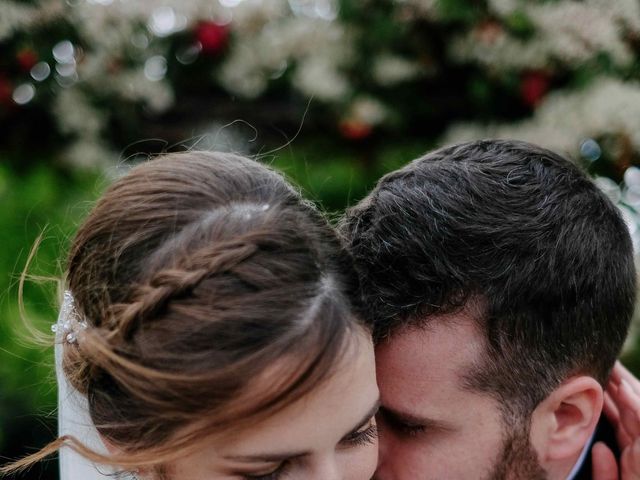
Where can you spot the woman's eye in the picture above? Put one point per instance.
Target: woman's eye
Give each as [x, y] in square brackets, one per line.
[276, 474]
[362, 437]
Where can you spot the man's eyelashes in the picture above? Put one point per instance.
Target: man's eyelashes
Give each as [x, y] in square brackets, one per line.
[398, 425]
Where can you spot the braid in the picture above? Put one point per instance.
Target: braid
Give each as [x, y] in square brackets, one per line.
[173, 282]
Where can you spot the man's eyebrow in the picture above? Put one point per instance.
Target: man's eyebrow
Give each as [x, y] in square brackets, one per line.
[281, 456]
[411, 419]
[374, 409]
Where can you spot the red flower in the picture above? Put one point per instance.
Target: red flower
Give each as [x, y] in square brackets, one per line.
[355, 130]
[212, 37]
[26, 58]
[533, 87]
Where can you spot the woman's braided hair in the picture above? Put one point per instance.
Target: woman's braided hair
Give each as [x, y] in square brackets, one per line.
[197, 273]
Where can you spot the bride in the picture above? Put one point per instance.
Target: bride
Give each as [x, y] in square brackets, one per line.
[206, 302]
[207, 334]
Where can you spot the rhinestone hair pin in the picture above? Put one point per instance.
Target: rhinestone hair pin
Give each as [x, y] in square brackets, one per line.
[69, 324]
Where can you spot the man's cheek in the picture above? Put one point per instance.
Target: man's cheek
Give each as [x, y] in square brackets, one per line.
[412, 459]
[452, 457]
[408, 464]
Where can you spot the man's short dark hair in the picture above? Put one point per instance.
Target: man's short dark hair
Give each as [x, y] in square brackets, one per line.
[516, 227]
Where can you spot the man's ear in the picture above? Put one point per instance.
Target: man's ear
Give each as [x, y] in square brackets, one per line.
[563, 423]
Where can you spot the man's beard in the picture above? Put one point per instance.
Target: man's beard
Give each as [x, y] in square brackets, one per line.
[518, 460]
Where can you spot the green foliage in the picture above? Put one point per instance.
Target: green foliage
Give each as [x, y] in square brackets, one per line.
[520, 25]
[44, 202]
[337, 176]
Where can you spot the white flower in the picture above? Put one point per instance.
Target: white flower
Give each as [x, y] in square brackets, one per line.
[16, 16]
[367, 110]
[75, 114]
[504, 7]
[568, 32]
[89, 153]
[251, 16]
[318, 48]
[577, 32]
[243, 74]
[135, 86]
[608, 107]
[425, 8]
[318, 77]
[392, 69]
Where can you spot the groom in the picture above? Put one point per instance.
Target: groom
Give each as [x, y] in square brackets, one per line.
[500, 284]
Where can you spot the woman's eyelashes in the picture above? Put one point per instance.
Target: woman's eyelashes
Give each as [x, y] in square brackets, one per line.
[277, 474]
[365, 436]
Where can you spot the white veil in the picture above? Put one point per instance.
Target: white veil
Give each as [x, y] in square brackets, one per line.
[73, 415]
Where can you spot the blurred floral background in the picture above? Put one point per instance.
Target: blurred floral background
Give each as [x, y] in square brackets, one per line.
[333, 92]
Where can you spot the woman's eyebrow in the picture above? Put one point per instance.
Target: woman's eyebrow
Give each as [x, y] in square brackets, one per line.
[267, 457]
[365, 419]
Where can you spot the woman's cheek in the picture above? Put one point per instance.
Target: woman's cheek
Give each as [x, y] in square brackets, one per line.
[360, 463]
